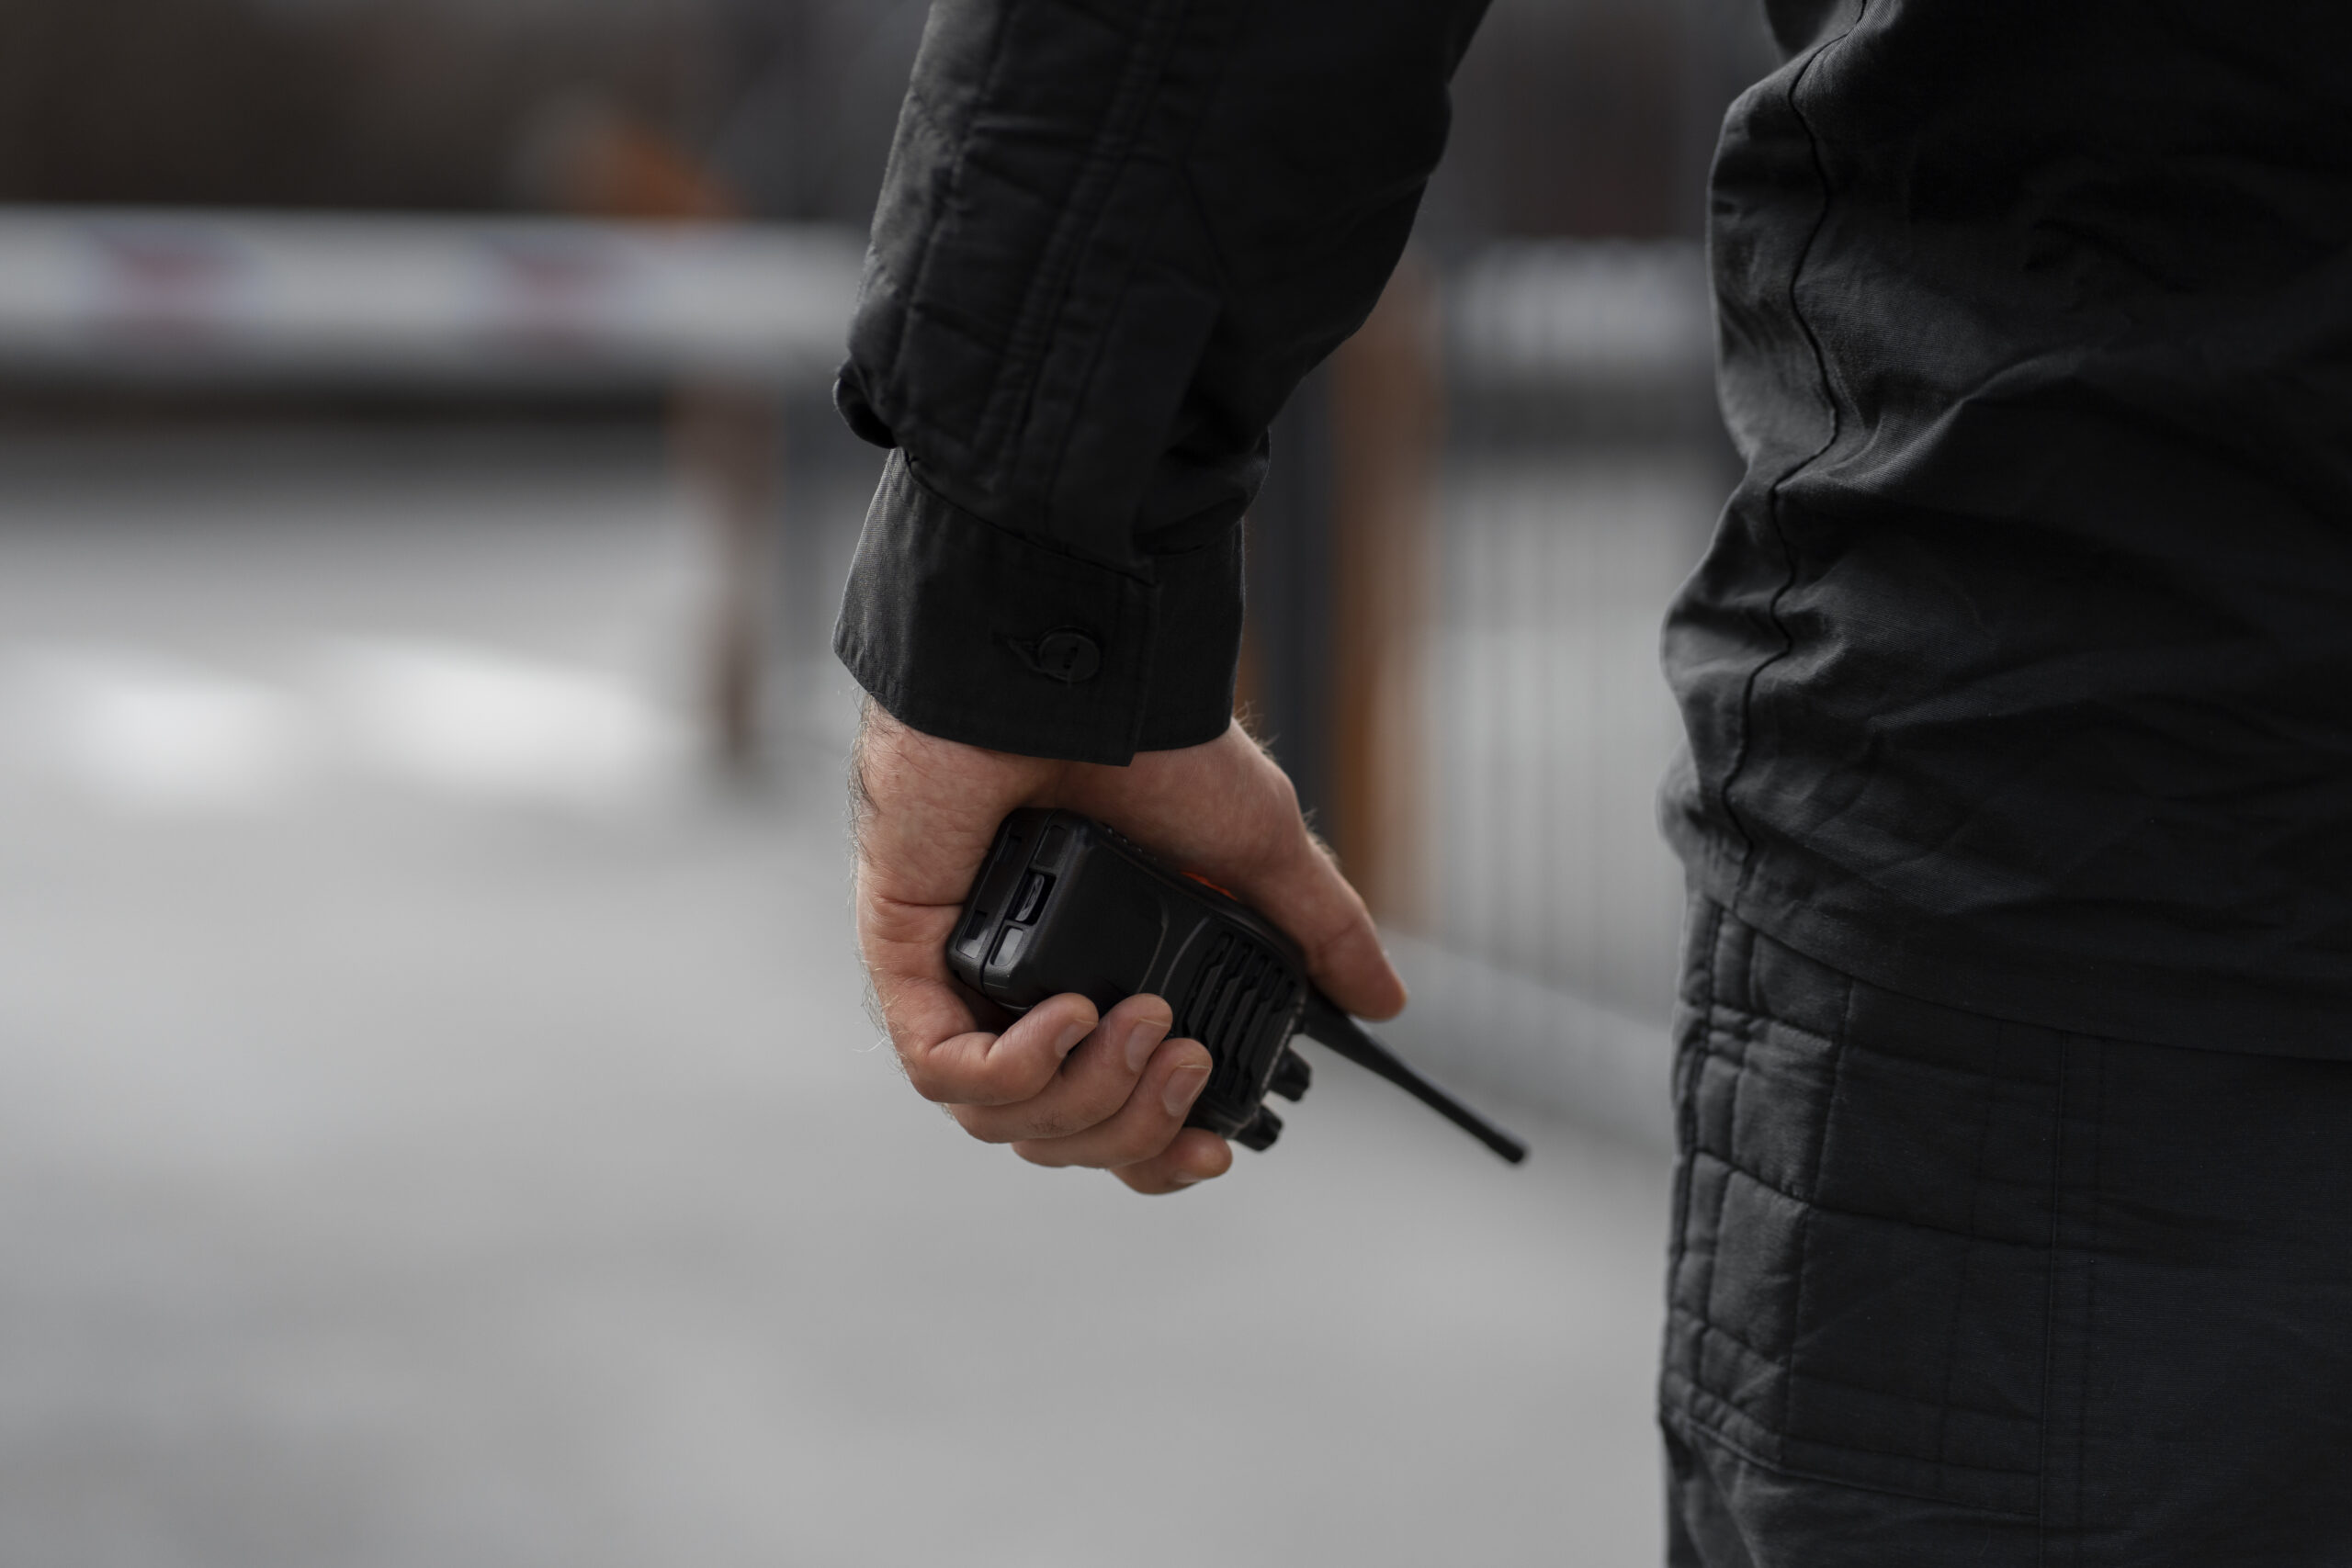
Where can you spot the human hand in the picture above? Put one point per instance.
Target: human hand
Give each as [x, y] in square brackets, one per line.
[1061, 1084]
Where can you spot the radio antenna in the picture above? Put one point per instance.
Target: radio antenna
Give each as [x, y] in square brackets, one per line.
[1327, 1024]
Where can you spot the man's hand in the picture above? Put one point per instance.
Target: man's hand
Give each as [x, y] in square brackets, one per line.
[1062, 1086]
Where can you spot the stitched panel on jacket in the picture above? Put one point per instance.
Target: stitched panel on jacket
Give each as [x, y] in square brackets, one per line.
[1860, 1278]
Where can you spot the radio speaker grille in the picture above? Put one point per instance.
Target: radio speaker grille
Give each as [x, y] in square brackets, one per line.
[1239, 990]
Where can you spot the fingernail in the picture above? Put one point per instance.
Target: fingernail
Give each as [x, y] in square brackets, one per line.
[1070, 1037]
[1183, 1087]
[1147, 1033]
[1184, 1178]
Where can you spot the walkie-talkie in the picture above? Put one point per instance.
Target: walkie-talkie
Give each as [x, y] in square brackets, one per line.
[1064, 903]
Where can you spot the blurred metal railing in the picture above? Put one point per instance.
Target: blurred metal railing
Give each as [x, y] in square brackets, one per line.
[1581, 472]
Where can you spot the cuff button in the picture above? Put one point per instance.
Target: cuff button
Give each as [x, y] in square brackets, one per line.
[1066, 656]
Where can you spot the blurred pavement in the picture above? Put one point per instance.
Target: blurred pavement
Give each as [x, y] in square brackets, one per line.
[434, 1129]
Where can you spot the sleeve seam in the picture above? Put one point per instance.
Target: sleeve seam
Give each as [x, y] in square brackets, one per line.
[1034, 329]
[950, 182]
[1048, 544]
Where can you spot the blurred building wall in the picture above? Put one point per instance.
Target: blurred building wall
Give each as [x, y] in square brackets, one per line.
[304, 103]
[1574, 117]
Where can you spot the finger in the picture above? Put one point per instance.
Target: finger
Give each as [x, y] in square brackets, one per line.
[948, 1056]
[904, 945]
[1227, 812]
[1196, 1156]
[1301, 890]
[1286, 875]
[1094, 1081]
[1145, 1125]
[975, 1067]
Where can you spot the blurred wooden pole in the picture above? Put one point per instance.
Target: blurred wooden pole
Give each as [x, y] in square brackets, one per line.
[1387, 423]
[727, 442]
[590, 156]
[1285, 680]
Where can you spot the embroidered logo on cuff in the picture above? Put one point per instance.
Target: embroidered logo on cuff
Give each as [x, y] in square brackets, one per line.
[1067, 655]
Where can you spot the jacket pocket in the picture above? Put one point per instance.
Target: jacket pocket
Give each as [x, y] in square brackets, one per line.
[1861, 1265]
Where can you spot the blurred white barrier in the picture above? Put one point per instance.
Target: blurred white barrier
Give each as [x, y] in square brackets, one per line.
[342, 299]
[1533, 315]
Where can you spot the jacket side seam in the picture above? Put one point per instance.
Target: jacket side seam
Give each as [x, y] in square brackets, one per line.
[1773, 496]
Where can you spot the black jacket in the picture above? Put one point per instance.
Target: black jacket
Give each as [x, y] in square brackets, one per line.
[1115, 235]
[2020, 674]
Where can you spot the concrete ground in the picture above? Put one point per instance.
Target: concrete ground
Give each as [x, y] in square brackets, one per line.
[436, 1129]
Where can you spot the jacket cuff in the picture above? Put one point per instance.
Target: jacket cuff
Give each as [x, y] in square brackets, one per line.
[972, 633]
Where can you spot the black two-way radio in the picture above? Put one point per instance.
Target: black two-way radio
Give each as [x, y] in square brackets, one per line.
[1064, 903]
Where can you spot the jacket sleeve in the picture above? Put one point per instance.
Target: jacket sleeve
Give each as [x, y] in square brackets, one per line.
[1113, 237]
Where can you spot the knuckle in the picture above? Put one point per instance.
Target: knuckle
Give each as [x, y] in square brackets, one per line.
[1058, 1122]
[1325, 950]
[965, 1081]
[1066, 1119]
[1282, 814]
[1146, 1141]
[981, 1126]
[1009, 1084]
[1084, 1112]
[925, 1079]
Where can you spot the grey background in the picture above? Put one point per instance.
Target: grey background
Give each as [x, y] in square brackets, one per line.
[417, 1161]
